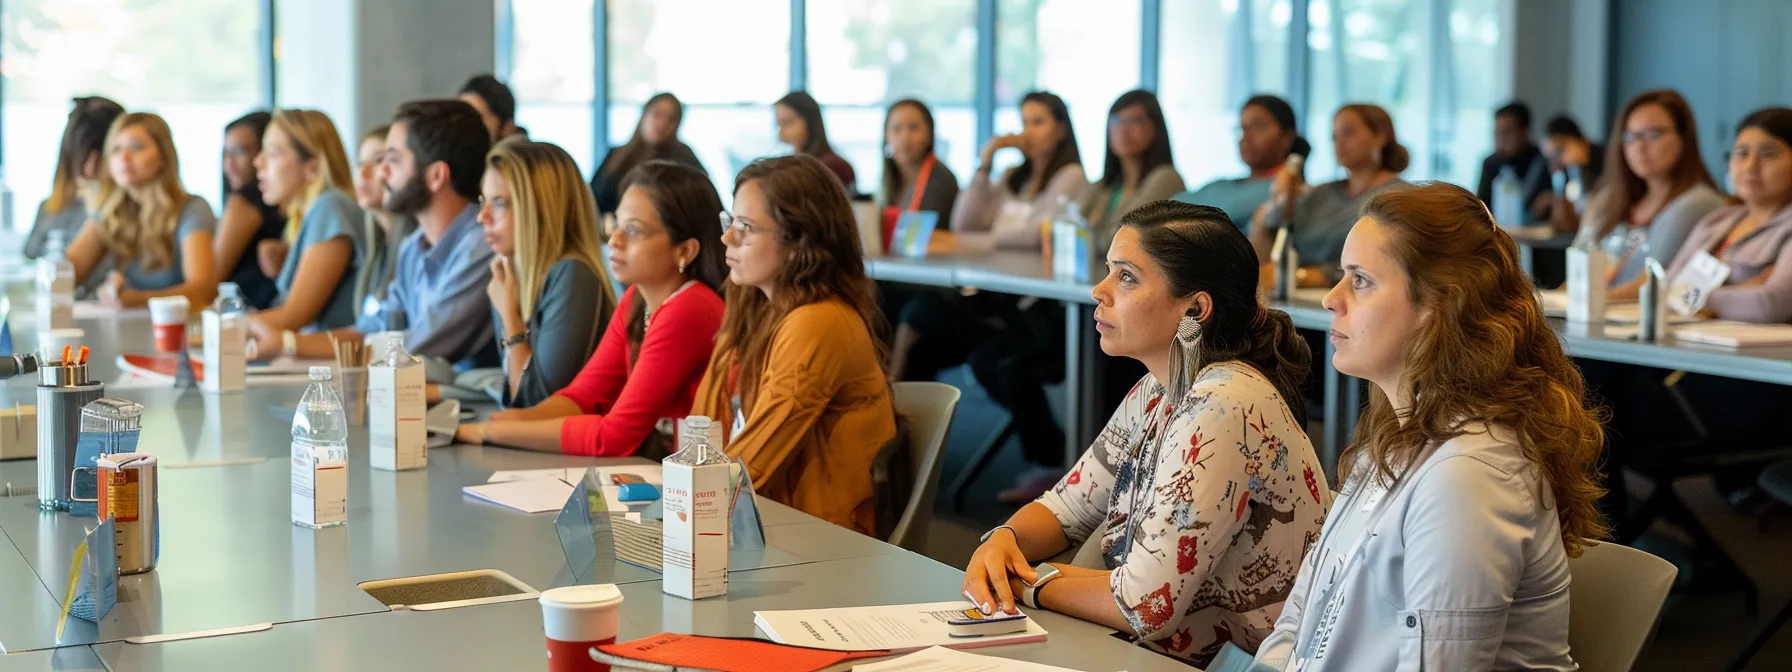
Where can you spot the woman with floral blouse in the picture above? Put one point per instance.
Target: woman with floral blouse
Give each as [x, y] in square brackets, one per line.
[1203, 486]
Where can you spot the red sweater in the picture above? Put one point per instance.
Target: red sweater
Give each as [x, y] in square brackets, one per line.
[623, 401]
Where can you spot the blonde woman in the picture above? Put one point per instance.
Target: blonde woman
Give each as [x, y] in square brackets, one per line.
[303, 170]
[153, 236]
[550, 295]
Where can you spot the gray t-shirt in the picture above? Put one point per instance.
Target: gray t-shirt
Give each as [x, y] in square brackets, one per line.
[68, 221]
[1628, 247]
[195, 217]
[1323, 217]
[333, 215]
[570, 316]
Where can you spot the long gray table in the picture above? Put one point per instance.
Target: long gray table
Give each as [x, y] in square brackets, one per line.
[499, 636]
[230, 558]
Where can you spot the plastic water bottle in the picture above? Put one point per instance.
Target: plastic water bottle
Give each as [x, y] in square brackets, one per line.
[55, 286]
[233, 311]
[1072, 242]
[1508, 198]
[320, 455]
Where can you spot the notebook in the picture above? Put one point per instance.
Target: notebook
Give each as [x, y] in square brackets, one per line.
[693, 652]
[1735, 334]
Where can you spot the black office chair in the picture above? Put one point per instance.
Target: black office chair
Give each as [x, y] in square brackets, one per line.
[1664, 462]
[1776, 481]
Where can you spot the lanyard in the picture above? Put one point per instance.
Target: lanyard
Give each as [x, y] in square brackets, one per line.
[1328, 613]
[914, 202]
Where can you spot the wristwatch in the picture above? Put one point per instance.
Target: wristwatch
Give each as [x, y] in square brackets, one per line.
[520, 337]
[1047, 573]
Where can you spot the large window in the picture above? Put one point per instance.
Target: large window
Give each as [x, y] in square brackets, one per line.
[1465, 132]
[195, 62]
[1368, 51]
[552, 74]
[727, 60]
[1216, 54]
[866, 54]
[1086, 52]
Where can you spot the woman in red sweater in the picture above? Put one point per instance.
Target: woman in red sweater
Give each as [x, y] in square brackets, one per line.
[665, 244]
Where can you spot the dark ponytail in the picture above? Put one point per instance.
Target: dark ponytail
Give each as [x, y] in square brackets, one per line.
[690, 209]
[1201, 251]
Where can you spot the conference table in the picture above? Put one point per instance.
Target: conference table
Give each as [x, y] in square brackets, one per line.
[1028, 274]
[238, 587]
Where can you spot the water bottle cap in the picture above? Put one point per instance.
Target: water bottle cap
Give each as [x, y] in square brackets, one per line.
[320, 373]
[229, 289]
[697, 422]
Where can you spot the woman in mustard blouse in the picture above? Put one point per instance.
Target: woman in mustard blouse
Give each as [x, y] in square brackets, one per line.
[797, 378]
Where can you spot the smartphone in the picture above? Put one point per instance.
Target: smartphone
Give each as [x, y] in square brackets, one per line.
[625, 479]
[972, 623]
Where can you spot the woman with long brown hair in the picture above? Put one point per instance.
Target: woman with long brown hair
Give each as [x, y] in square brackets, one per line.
[655, 139]
[1474, 475]
[154, 235]
[797, 379]
[1654, 191]
[75, 186]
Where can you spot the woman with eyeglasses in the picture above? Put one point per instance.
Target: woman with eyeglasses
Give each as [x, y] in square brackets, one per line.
[1267, 136]
[249, 229]
[550, 296]
[1751, 242]
[1655, 188]
[1138, 168]
[797, 379]
[665, 245]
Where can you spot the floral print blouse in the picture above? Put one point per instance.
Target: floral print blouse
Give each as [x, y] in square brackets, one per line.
[1205, 530]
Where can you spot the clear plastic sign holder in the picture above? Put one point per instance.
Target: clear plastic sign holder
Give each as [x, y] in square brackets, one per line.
[585, 531]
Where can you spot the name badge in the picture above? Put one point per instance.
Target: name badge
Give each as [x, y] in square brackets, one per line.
[1692, 287]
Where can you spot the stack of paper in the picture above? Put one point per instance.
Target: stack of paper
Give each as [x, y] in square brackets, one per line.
[1735, 334]
[543, 490]
[899, 628]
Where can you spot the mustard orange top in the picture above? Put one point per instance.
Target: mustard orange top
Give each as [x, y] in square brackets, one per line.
[814, 425]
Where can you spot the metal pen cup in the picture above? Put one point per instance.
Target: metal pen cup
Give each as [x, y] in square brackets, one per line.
[62, 391]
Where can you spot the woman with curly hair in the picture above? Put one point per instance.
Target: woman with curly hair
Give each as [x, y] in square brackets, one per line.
[1473, 477]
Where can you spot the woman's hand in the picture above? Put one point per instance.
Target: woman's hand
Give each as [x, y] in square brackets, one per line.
[1287, 185]
[470, 433]
[271, 256]
[502, 290]
[110, 291]
[998, 142]
[264, 341]
[989, 579]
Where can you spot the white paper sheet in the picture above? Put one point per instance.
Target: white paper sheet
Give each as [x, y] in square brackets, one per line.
[530, 496]
[652, 473]
[941, 659]
[898, 628]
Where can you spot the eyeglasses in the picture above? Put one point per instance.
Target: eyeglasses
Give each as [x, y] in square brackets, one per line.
[743, 228]
[1646, 135]
[631, 231]
[1765, 154]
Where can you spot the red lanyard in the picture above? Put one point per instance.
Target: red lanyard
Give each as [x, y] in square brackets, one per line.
[914, 202]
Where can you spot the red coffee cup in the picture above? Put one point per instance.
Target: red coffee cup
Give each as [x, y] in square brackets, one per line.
[168, 315]
[577, 618]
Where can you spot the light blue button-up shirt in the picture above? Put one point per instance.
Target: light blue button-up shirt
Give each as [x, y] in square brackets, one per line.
[438, 296]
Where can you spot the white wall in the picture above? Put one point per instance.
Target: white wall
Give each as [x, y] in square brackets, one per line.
[1560, 65]
[358, 60]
